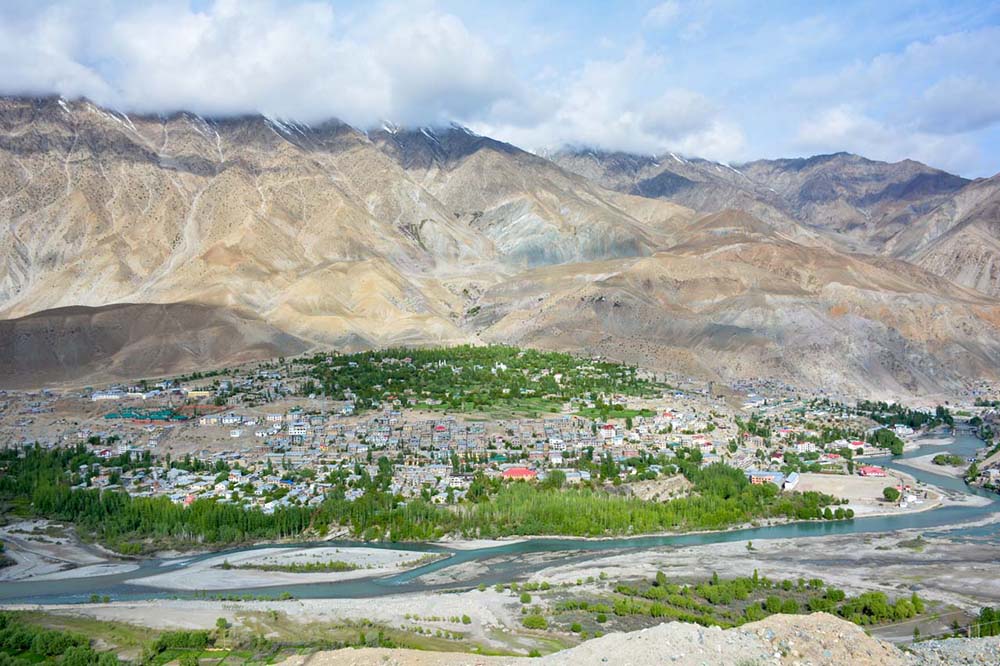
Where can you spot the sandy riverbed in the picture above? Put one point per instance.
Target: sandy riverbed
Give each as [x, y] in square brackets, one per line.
[924, 463]
[488, 610]
[48, 551]
[209, 574]
[965, 574]
[474, 544]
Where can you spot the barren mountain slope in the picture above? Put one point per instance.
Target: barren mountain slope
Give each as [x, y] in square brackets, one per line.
[863, 202]
[960, 239]
[278, 218]
[855, 202]
[101, 208]
[701, 185]
[735, 299]
[534, 212]
[350, 239]
[132, 340]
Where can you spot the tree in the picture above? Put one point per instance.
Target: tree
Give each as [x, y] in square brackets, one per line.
[78, 656]
[890, 493]
[555, 479]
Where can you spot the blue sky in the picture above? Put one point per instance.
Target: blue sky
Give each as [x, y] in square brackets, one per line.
[723, 79]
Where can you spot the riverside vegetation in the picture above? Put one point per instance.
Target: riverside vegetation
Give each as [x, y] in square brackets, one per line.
[44, 483]
[948, 459]
[32, 638]
[22, 644]
[725, 603]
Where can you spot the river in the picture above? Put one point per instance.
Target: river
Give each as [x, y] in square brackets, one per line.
[504, 565]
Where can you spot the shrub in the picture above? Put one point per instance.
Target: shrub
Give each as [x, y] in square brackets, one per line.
[535, 622]
[189, 659]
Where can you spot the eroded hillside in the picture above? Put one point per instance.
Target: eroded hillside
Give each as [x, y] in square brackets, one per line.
[325, 235]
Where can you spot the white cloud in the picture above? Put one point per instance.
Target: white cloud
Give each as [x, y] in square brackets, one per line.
[40, 54]
[300, 60]
[607, 104]
[940, 84]
[845, 128]
[663, 14]
[933, 100]
[534, 77]
[412, 64]
[959, 104]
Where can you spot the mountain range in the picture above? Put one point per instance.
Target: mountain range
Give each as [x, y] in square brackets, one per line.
[147, 245]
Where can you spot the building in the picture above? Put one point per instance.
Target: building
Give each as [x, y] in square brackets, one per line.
[803, 447]
[519, 473]
[759, 478]
[107, 395]
[871, 470]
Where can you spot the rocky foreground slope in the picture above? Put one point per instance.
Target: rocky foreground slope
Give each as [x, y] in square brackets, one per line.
[780, 640]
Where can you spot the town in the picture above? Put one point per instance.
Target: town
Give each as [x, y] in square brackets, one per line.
[290, 433]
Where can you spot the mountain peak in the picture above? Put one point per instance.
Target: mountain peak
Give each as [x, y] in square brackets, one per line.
[422, 147]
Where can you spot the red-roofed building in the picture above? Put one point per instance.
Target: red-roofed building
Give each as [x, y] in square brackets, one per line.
[871, 470]
[515, 473]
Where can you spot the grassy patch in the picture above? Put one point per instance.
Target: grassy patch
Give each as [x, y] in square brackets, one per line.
[917, 545]
[596, 413]
[296, 567]
[118, 635]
